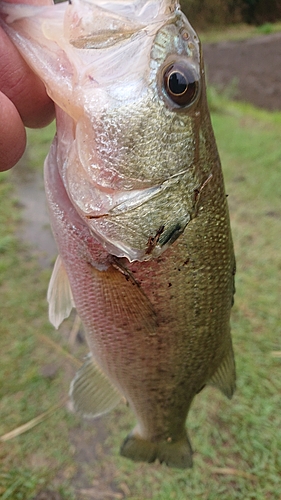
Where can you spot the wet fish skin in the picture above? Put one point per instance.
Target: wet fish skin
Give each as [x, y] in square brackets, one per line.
[162, 363]
[143, 235]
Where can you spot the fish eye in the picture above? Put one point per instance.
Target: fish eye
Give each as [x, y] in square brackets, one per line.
[181, 84]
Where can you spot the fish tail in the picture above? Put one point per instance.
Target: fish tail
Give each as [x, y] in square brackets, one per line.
[173, 453]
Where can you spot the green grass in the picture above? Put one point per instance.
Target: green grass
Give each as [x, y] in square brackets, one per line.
[237, 32]
[237, 443]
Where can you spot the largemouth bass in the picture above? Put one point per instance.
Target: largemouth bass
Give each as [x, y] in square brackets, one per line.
[138, 210]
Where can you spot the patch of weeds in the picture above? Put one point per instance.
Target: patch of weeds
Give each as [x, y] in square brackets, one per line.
[265, 29]
[6, 243]
[20, 484]
[25, 484]
[38, 145]
[219, 97]
[237, 32]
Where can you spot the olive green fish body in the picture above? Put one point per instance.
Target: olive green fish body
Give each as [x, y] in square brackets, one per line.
[159, 329]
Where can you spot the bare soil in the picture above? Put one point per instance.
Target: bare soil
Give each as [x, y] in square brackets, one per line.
[252, 66]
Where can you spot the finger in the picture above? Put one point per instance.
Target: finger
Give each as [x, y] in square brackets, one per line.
[32, 2]
[12, 134]
[23, 87]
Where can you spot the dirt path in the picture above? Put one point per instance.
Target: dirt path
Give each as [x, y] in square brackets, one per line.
[35, 228]
[253, 65]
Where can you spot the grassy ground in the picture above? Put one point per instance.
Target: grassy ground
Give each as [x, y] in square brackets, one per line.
[237, 32]
[238, 443]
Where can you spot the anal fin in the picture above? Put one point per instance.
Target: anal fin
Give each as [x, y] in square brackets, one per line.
[91, 392]
[224, 378]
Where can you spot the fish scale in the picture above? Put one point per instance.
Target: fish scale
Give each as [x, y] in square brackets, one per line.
[138, 210]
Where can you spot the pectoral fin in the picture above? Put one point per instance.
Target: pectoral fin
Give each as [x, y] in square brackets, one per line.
[59, 294]
[224, 377]
[91, 391]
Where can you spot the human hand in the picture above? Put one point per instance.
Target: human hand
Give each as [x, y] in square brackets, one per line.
[23, 100]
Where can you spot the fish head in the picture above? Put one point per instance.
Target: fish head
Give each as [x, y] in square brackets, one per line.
[141, 106]
[135, 144]
[135, 162]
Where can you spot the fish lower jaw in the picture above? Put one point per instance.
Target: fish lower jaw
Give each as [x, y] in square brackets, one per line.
[135, 243]
[121, 249]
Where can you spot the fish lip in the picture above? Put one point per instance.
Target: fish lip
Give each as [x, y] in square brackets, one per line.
[126, 201]
[139, 198]
[144, 195]
[120, 249]
[155, 246]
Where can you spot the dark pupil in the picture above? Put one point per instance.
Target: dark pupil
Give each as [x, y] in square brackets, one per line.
[181, 84]
[177, 83]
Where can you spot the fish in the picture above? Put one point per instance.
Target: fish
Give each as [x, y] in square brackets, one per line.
[138, 210]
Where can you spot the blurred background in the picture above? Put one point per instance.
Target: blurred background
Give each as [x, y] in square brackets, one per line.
[48, 453]
[204, 13]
